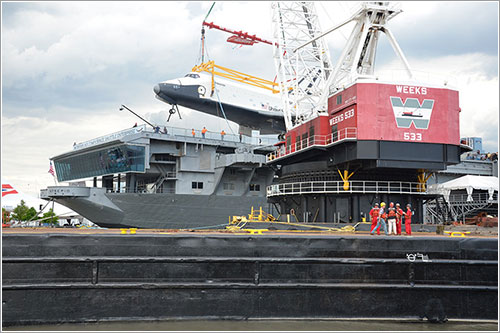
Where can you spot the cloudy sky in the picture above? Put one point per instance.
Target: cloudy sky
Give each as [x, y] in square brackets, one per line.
[68, 66]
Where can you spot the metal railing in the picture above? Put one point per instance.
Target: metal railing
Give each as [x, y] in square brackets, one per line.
[475, 197]
[178, 132]
[349, 133]
[355, 186]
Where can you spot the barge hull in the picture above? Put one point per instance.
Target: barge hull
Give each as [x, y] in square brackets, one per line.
[54, 278]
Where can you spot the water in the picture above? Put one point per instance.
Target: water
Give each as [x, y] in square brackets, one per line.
[266, 325]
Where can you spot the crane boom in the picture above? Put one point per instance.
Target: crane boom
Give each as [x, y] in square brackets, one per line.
[302, 75]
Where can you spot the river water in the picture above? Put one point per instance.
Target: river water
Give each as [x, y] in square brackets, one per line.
[266, 325]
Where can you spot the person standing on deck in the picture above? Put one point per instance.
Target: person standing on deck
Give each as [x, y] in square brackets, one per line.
[193, 132]
[391, 218]
[381, 219]
[374, 217]
[203, 131]
[222, 133]
[408, 220]
[399, 219]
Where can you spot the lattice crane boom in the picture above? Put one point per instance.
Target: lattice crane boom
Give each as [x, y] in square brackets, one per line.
[302, 75]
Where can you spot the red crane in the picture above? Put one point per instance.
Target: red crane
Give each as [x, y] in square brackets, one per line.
[238, 37]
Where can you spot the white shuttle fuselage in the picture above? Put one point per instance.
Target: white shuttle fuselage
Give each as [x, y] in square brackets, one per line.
[250, 107]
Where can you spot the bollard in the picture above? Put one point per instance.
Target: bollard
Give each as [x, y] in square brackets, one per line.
[440, 229]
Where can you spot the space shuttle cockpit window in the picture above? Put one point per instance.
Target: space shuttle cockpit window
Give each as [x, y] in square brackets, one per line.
[193, 75]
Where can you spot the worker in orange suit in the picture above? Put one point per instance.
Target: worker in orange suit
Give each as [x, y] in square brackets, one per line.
[374, 217]
[399, 218]
[222, 133]
[408, 220]
[203, 131]
[193, 132]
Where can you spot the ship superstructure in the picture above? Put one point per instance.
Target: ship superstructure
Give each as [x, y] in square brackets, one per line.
[158, 180]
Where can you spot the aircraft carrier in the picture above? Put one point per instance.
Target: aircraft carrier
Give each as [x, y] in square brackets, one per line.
[158, 180]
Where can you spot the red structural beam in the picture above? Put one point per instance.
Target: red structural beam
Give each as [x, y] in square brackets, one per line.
[248, 39]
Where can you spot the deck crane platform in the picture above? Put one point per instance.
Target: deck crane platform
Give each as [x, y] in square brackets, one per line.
[353, 136]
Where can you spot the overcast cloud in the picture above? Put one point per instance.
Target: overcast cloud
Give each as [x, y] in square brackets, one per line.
[68, 66]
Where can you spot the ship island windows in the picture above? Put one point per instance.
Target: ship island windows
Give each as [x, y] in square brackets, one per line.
[228, 186]
[255, 187]
[107, 161]
[197, 185]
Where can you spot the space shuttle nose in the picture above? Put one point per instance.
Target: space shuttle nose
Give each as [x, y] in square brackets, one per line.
[157, 89]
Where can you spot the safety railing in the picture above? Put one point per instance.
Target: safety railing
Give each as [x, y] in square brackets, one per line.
[349, 133]
[337, 187]
[475, 197]
[177, 132]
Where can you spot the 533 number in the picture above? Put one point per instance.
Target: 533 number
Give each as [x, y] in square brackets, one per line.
[412, 136]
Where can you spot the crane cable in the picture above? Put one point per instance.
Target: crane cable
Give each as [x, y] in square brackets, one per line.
[203, 34]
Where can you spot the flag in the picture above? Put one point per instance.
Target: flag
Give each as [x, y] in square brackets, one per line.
[8, 189]
[51, 170]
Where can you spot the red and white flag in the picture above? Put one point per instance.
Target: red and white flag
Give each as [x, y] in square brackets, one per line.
[51, 170]
[8, 189]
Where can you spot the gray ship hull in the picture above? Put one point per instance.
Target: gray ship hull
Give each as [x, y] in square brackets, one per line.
[157, 210]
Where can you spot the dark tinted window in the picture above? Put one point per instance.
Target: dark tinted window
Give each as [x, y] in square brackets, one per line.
[107, 161]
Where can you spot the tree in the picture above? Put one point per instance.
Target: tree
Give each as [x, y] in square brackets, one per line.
[30, 215]
[20, 212]
[50, 217]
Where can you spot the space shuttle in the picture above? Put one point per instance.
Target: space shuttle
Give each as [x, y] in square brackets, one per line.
[250, 107]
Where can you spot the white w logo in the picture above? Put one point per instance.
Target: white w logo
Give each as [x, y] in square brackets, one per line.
[412, 112]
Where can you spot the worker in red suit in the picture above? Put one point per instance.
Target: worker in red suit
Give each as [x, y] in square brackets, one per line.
[374, 217]
[399, 218]
[408, 220]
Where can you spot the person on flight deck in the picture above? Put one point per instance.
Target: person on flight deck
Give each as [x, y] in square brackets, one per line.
[399, 218]
[374, 217]
[222, 133]
[381, 219]
[391, 218]
[408, 220]
[193, 132]
[203, 131]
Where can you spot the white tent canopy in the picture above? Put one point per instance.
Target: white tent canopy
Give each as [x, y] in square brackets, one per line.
[470, 183]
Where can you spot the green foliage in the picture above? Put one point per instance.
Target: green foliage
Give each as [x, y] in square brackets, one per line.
[20, 213]
[30, 214]
[23, 212]
[50, 217]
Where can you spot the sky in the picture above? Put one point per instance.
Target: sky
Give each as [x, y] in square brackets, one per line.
[68, 66]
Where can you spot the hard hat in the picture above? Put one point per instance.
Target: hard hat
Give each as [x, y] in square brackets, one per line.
[376, 204]
[397, 205]
[408, 205]
[382, 204]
